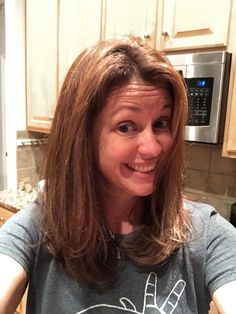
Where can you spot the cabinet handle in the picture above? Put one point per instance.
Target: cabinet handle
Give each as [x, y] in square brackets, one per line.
[2, 219]
[164, 33]
[146, 36]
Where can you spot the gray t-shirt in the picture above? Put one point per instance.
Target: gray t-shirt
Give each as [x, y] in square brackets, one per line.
[184, 283]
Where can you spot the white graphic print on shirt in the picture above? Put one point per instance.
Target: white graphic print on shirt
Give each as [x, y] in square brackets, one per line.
[150, 300]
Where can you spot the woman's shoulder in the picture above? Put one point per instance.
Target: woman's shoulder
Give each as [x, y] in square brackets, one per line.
[20, 236]
[205, 219]
[200, 213]
[198, 209]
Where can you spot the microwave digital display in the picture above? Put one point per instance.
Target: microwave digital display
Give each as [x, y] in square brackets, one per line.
[200, 99]
[200, 83]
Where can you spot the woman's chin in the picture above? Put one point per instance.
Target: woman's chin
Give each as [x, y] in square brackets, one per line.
[143, 191]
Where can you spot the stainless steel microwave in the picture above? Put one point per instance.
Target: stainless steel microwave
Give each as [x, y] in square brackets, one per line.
[206, 76]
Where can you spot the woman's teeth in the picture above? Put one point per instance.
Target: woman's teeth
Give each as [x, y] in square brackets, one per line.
[142, 168]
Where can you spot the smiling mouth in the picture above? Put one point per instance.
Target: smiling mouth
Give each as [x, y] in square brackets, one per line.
[143, 169]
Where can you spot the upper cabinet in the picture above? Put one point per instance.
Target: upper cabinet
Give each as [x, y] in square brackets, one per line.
[229, 147]
[56, 32]
[193, 24]
[41, 62]
[79, 26]
[124, 17]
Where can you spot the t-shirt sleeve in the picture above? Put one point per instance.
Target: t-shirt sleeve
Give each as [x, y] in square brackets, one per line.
[19, 236]
[221, 252]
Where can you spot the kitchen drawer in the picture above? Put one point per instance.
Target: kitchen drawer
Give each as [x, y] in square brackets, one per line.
[4, 215]
[213, 309]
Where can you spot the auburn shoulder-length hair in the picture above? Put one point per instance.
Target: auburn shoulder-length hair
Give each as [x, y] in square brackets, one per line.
[73, 224]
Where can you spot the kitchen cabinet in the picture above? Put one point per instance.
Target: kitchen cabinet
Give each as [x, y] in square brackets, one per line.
[138, 18]
[41, 62]
[79, 26]
[213, 309]
[194, 24]
[56, 32]
[4, 215]
[229, 146]
[21, 309]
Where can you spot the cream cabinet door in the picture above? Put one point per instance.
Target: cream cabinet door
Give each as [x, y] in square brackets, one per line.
[41, 62]
[136, 17]
[193, 24]
[4, 215]
[229, 145]
[79, 26]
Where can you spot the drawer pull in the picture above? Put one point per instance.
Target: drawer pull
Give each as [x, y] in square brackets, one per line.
[2, 219]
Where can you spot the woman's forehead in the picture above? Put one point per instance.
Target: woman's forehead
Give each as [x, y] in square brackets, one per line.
[136, 88]
[137, 97]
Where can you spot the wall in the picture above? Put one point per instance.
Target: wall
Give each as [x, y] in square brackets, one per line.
[15, 20]
[2, 29]
[11, 94]
[2, 63]
[20, 60]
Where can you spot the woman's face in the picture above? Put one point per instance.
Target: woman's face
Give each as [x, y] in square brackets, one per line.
[132, 134]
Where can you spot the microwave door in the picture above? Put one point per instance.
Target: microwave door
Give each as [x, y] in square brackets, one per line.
[182, 69]
[208, 79]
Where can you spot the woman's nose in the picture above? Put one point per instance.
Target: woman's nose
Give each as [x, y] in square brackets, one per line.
[149, 146]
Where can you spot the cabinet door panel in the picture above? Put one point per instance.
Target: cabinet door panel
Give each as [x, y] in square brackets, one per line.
[4, 215]
[139, 18]
[41, 62]
[188, 23]
[229, 146]
[79, 26]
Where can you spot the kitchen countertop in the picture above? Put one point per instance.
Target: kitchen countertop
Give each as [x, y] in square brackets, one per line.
[16, 200]
[221, 202]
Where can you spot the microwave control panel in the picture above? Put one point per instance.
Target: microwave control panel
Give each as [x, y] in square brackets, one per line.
[200, 99]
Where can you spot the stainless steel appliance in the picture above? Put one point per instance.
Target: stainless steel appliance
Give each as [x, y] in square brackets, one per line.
[207, 78]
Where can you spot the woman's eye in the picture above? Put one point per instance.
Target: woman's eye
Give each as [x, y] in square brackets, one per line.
[126, 127]
[162, 124]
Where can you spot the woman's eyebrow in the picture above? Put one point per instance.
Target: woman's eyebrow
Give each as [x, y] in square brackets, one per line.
[127, 107]
[167, 106]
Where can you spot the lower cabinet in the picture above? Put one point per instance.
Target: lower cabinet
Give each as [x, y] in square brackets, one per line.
[213, 309]
[4, 215]
[21, 309]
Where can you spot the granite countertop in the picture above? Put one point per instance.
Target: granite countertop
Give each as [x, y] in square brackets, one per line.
[16, 200]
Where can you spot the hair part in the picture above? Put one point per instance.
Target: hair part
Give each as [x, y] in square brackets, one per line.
[73, 218]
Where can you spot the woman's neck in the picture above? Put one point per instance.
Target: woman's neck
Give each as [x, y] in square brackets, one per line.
[122, 214]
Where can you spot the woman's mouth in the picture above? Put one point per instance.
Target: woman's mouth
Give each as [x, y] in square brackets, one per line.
[142, 168]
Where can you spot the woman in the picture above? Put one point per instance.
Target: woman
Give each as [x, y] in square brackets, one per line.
[111, 232]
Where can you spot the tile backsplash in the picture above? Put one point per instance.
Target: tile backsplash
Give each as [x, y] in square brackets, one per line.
[30, 152]
[210, 178]
[208, 171]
